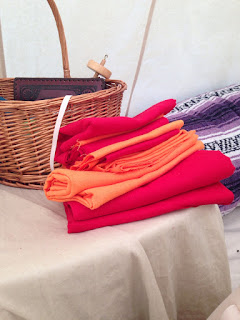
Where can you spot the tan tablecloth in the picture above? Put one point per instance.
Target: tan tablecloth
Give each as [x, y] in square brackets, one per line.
[232, 299]
[169, 267]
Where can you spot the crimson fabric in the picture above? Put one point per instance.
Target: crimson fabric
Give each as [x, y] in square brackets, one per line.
[68, 157]
[200, 169]
[92, 127]
[125, 136]
[213, 194]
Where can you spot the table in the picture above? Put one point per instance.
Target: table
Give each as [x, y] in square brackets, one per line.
[169, 267]
[232, 299]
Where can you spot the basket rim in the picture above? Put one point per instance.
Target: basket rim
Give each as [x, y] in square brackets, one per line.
[119, 87]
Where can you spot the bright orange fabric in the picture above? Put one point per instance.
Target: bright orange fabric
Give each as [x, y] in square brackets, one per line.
[95, 197]
[149, 157]
[93, 158]
[93, 188]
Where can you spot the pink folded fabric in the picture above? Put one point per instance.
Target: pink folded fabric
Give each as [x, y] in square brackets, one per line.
[67, 158]
[93, 127]
[213, 194]
[200, 169]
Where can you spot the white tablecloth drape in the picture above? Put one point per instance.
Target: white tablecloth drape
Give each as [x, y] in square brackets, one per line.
[170, 267]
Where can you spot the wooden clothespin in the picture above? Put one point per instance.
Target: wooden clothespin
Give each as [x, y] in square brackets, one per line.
[99, 68]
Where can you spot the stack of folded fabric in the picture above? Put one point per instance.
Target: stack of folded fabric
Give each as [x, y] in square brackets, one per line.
[119, 170]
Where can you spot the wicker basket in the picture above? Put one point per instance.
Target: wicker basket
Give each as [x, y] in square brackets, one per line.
[26, 127]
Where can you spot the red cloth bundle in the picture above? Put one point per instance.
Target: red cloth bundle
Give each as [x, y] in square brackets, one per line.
[93, 127]
[93, 188]
[200, 169]
[212, 194]
[131, 169]
[68, 157]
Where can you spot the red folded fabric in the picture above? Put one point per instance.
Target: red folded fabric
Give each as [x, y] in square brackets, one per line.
[88, 148]
[68, 157]
[213, 194]
[200, 169]
[93, 127]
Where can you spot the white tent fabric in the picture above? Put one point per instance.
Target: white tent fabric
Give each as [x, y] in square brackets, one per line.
[192, 46]
[92, 30]
[2, 59]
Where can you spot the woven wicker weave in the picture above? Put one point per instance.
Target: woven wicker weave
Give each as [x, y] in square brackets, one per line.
[26, 127]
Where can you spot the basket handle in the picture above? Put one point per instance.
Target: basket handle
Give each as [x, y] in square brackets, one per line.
[62, 38]
[61, 112]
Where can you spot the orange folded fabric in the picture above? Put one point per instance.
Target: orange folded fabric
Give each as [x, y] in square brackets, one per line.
[147, 158]
[95, 197]
[93, 158]
[94, 188]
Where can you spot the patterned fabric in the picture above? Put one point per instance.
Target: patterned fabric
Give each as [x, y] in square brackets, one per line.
[216, 118]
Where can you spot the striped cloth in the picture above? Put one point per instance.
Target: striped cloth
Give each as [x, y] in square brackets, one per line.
[216, 118]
